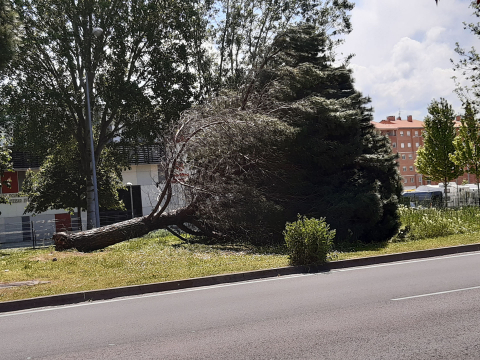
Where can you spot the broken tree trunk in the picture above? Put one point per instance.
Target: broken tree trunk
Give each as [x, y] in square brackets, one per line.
[102, 237]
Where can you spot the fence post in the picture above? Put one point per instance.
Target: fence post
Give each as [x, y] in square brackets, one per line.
[33, 234]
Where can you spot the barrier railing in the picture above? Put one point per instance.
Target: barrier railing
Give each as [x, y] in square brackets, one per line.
[17, 232]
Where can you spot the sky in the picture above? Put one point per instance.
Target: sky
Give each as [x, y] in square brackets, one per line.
[402, 53]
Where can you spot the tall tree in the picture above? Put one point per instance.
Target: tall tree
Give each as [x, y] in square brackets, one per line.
[141, 73]
[434, 157]
[243, 31]
[467, 144]
[469, 64]
[348, 173]
[7, 33]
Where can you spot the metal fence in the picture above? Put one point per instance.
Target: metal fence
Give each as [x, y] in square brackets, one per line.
[468, 199]
[20, 232]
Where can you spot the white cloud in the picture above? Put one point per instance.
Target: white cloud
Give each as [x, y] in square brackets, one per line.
[403, 51]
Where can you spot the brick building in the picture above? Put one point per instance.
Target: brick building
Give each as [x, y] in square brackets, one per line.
[406, 137]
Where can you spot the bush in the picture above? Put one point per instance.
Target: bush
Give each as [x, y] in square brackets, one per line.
[430, 223]
[308, 240]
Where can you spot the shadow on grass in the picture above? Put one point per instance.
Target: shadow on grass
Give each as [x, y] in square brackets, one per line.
[359, 246]
[239, 247]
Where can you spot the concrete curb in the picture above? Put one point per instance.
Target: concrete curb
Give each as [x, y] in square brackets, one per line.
[105, 294]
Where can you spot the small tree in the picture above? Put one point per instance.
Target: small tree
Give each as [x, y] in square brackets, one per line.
[433, 158]
[467, 144]
[60, 183]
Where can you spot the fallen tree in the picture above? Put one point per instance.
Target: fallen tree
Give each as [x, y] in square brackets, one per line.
[214, 156]
[296, 139]
[100, 238]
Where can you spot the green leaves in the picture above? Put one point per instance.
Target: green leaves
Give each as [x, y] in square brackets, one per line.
[308, 241]
[467, 143]
[60, 183]
[7, 33]
[434, 157]
[142, 74]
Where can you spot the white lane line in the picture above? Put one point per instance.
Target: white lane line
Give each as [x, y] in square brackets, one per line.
[164, 293]
[96, 302]
[436, 293]
[401, 262]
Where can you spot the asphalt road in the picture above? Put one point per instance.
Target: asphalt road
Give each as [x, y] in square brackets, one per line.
[424, 309]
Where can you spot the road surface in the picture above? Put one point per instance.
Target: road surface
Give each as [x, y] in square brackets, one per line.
[422, 309]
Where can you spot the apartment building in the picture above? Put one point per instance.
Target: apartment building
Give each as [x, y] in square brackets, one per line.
[406, 137]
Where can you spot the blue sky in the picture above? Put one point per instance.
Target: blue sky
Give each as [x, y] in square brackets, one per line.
[403, 50]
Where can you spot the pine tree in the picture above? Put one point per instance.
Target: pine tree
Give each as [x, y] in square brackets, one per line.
[345, 171]
[296, 139]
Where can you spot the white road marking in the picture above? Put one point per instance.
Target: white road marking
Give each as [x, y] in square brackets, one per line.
[96, 302]
[436, 293]
[134, 297]
[401, 262]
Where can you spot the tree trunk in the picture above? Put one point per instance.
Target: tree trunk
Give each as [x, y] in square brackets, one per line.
[100, 238]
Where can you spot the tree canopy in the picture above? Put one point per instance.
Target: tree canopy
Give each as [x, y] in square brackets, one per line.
[141, 73]
[299, 141]
[60, 183]
[296, 137]
[467, 143]
[7, 33]
[434, 157]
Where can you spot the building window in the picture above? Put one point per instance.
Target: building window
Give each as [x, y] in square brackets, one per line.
[394, 145]
[417, 145]
[404, 181]
[402, 145]
[401, 133]
[403, 157]
[410, 156]
[404, 168]
[416, 133]
[420, 179]
[412, 180]
[409, 144]
[408, 133]
[429, 182]
[411, 168]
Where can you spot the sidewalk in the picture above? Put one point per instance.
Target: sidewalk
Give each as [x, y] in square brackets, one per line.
[105, 294]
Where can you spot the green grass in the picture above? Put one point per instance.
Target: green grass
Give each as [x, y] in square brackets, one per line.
[157, 257]
[406, 246]
[146, 260]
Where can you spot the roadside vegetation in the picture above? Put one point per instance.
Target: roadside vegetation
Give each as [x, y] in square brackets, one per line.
[161, 257]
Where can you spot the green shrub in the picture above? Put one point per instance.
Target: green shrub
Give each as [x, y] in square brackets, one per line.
[422, 223]
[308, 240]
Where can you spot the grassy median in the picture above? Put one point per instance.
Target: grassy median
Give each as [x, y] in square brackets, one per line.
[160, 257]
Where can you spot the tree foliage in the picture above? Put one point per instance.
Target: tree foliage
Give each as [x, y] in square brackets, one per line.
[434, 157]
[60, 183]
[5, 165]
[467, 143]
[243, 32]
[302, 143]
[7, 33]
[294, 138]
[469, 64]
[141, 73]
